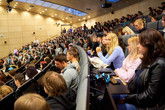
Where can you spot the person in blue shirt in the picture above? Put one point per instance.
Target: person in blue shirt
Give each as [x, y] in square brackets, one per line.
[115, 53]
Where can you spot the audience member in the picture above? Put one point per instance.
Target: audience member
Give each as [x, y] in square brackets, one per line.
[140, 25]
[59, 98]
[147, 88]
[73, 57]
[115, 52]
[130, 64]
[19, 79]
[30, 72]
[5, 90]
[68, 71]
[31, 101]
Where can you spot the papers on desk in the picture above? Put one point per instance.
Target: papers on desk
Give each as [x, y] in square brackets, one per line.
[97, 62]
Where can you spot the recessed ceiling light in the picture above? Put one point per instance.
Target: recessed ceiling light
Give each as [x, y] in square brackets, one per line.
[52, 16]
[66, 17]
[62, 19]
[45, 9]
[55, 14]
[89, 17]
[84, 18]
[79, 19]
[71, 22]
[16, 2]
[27, 9]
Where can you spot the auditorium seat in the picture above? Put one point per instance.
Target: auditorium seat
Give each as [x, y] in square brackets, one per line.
[125, 41]
[7, 103]
[82, 99]
[153, 25]
[134, 29]
[25, 88]
[160, 26]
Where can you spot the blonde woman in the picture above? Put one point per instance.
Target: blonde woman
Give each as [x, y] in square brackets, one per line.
[31, 101]
[140, 25]
[5, 90]
[127, 31]
[115, 53]
[130, 64]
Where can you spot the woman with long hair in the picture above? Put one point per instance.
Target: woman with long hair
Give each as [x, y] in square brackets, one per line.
[132, 61]
[140, 25]
[147, 88]
[115, 53]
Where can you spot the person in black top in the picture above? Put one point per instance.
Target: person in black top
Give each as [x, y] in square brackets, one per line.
[147, 88]
[59, 98]
[140, 25]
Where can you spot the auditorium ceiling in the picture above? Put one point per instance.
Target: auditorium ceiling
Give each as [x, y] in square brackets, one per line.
[70, 11]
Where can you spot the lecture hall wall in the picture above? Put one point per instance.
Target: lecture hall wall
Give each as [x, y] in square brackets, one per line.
[17, 28]
[132, 9]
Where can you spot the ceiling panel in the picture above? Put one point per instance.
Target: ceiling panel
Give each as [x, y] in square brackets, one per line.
[72, 9]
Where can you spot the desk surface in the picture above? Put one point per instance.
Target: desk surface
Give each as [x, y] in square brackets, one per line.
[118, 89]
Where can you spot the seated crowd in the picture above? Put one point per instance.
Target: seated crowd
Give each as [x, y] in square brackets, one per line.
[142, 70]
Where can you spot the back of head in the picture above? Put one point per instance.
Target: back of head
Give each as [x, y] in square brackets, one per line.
[31, 101]
[74, 51]
[31, 71]
[133, 42]
[120, 32]
[61, 58]
[5, 90]
[12, 72]
[54, 84]
[20, 78]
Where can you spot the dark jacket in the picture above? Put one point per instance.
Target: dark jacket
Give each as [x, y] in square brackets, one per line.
[149, 85]
[141, 30]
[64, 102]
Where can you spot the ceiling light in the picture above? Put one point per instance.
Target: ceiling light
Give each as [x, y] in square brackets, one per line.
[45, 9]
[79, 19]
[71, 22]
[84, 18]
[52, 16]
[62, 19]
[40, 12]
[55, 14]
[27, 9]
[89, 17]
[16, 2]
[66, 17]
